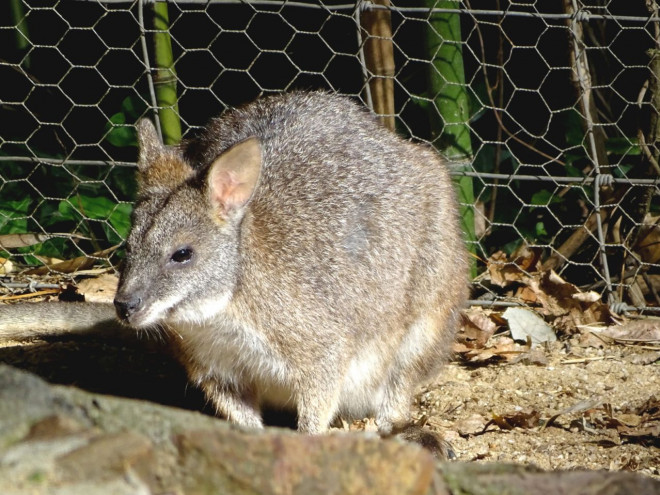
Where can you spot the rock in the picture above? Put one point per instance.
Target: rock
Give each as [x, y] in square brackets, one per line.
[62, 440]
[59, 440]
[522, 480]
[235, 462]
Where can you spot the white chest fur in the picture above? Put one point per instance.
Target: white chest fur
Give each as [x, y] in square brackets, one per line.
[238, 354]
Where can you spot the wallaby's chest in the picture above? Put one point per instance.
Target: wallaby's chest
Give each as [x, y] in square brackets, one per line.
[234, 352]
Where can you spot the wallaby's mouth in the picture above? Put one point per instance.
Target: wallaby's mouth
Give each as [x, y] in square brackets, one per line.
[195, 311]
[132, 309]
[144, 317]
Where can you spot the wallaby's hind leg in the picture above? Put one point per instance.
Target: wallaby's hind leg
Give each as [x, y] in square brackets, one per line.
[238, 406]
[423, 350]
[317, 406]
[394, 412]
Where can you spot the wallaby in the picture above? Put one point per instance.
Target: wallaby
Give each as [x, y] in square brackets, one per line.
[299, 255]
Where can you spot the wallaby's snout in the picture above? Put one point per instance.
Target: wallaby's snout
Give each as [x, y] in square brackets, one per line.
[127, 305]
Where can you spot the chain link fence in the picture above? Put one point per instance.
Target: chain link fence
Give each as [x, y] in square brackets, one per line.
[546, 110]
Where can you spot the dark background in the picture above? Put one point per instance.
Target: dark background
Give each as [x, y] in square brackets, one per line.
[83, 66]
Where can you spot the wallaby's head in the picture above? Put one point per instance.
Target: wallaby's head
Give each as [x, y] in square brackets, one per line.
[182, 252]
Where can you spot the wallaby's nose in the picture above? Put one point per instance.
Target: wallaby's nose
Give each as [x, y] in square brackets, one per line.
[126, 306]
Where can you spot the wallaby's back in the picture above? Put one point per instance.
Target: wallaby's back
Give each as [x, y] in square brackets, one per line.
[333, 285]
[355, 216]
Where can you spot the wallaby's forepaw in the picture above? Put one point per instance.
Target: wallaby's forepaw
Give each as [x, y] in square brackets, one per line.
[438, 446]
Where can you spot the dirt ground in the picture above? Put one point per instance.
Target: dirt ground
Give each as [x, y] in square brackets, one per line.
[607, 387]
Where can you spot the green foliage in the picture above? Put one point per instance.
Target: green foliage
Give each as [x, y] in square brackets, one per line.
[90, 202]
[13, 216]
[115, 218]
[120, 131]
[97, 222]
[544, 198]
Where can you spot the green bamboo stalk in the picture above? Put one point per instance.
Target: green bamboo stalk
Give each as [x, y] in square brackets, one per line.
[22, 33]
[165, 76]
[447, 88]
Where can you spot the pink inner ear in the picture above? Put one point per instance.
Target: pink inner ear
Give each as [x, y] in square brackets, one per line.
[234, 175]
[228, 191]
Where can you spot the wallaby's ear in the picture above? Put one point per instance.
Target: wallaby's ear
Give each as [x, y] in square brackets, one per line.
[150, 145]
[233, 176]
[161, 168]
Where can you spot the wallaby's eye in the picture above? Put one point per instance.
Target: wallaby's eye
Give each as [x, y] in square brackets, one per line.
[182, 255]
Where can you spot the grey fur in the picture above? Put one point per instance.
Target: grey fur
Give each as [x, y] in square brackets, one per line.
[333, 287]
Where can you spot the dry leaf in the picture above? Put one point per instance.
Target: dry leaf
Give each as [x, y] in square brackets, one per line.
[652, 432]
[640, 424]
[470, 425]
[6, 266]
[73, 265]
[525, 324]
[476, 327]
[479, 355]
[630, 420]
[502, 348]
[10, 241]
[459, 348]
[520, 419]
[645, 330]
[528, 258]
[99, 289]
[526, 295]
[503, 270]
[583, 405]
[69, 266]
[566, 303]
[587, 297]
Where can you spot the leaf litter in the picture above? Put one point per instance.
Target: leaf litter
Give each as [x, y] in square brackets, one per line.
[556, 380]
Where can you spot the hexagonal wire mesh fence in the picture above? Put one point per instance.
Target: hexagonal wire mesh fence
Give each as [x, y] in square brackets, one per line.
[546, 111]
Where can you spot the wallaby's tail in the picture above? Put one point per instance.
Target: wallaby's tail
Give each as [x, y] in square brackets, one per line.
[30, 320]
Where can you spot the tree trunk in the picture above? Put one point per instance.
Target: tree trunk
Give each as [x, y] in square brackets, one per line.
[379, 59]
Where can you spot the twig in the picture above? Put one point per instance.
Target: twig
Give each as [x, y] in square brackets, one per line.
[573, 243]
[640, 134]
[46, 292]
[586, 360]
[637, 343]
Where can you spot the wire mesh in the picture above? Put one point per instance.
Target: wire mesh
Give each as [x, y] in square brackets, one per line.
[547, 112]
